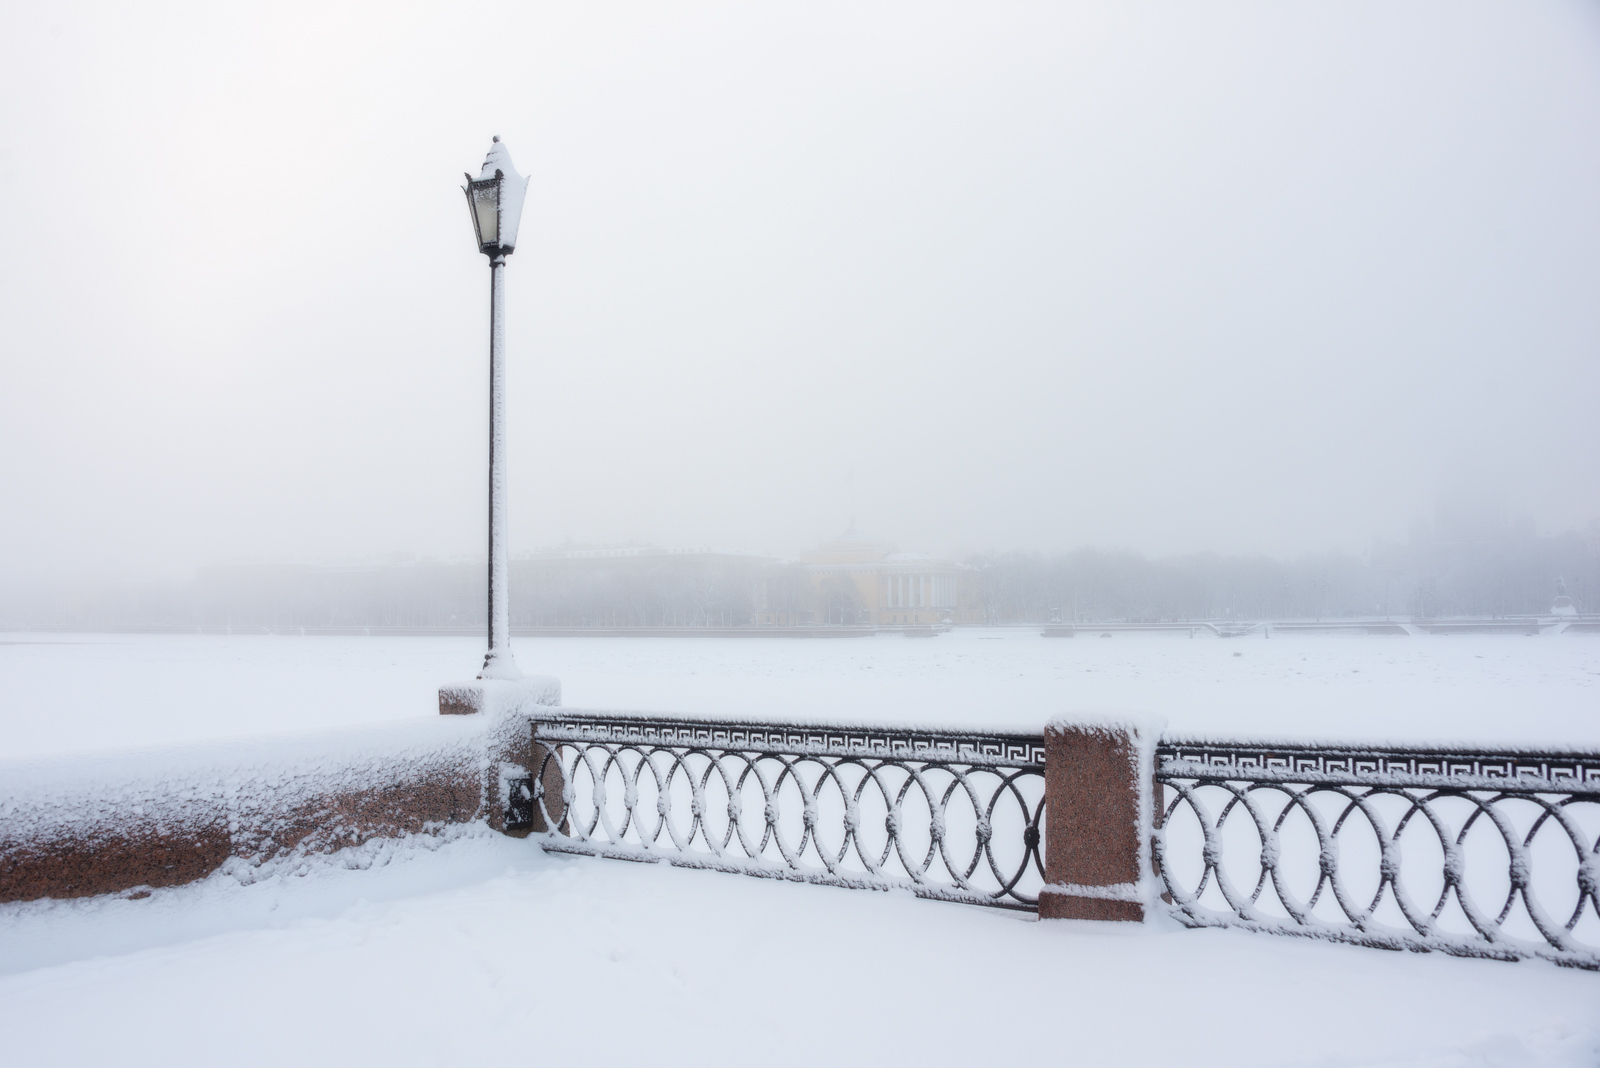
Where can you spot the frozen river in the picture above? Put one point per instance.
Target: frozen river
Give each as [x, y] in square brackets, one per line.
[64, 693]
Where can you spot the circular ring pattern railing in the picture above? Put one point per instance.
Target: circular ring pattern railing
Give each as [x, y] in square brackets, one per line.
[1477, 854]
[1472, 853]
[943, 814]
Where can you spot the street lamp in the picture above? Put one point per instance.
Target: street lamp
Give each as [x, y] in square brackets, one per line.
[494, 199]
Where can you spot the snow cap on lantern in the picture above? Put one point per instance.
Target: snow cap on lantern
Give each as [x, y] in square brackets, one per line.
[495, 199]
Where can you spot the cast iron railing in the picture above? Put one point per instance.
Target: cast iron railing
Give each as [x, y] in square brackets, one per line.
[1489, 854]
[1474, 853]
[943, 814]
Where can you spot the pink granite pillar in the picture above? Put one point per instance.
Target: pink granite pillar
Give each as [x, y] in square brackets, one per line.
[1099, 817]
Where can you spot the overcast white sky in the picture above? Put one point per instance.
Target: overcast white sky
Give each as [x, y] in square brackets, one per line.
[1171, 276]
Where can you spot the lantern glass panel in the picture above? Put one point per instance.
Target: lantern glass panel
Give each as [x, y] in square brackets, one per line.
[486, 209]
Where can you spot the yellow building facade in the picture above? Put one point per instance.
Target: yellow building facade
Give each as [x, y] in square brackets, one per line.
[854, 581]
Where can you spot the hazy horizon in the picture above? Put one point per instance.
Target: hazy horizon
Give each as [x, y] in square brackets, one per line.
[1246, 278]
[1421, 532]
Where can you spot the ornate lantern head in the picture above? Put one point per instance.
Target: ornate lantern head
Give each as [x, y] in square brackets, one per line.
[495, 200]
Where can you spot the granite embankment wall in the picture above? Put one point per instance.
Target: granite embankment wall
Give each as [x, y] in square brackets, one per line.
[114, 822]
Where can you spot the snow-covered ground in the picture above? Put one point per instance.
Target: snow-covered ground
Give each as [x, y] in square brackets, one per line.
[61, 693]
[485, 950]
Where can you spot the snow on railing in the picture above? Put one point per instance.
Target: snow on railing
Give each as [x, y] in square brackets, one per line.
[1470, 852]
[943, 814]
[1487, 854]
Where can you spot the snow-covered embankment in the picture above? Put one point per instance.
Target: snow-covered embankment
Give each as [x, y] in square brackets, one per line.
[135, 819]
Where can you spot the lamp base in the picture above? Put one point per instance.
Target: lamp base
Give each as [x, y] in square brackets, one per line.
[500, 664]
[499, 695]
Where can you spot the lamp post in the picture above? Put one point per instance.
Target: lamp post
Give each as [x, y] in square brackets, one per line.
[494, 199]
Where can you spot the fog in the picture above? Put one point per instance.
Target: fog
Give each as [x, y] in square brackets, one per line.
[1168, 278]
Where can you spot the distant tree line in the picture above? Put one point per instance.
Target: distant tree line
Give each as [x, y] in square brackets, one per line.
[688, 590]
[1501, 573]
[693, 590]
[1488, 577]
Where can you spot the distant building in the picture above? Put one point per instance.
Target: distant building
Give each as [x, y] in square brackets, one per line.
[852, 580]
[635, 586]
[848, 581]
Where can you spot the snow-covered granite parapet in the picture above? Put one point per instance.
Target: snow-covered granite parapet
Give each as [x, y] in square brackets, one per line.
[1100, 813]
[526, 696]
[107, 822]
[1147, 725]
